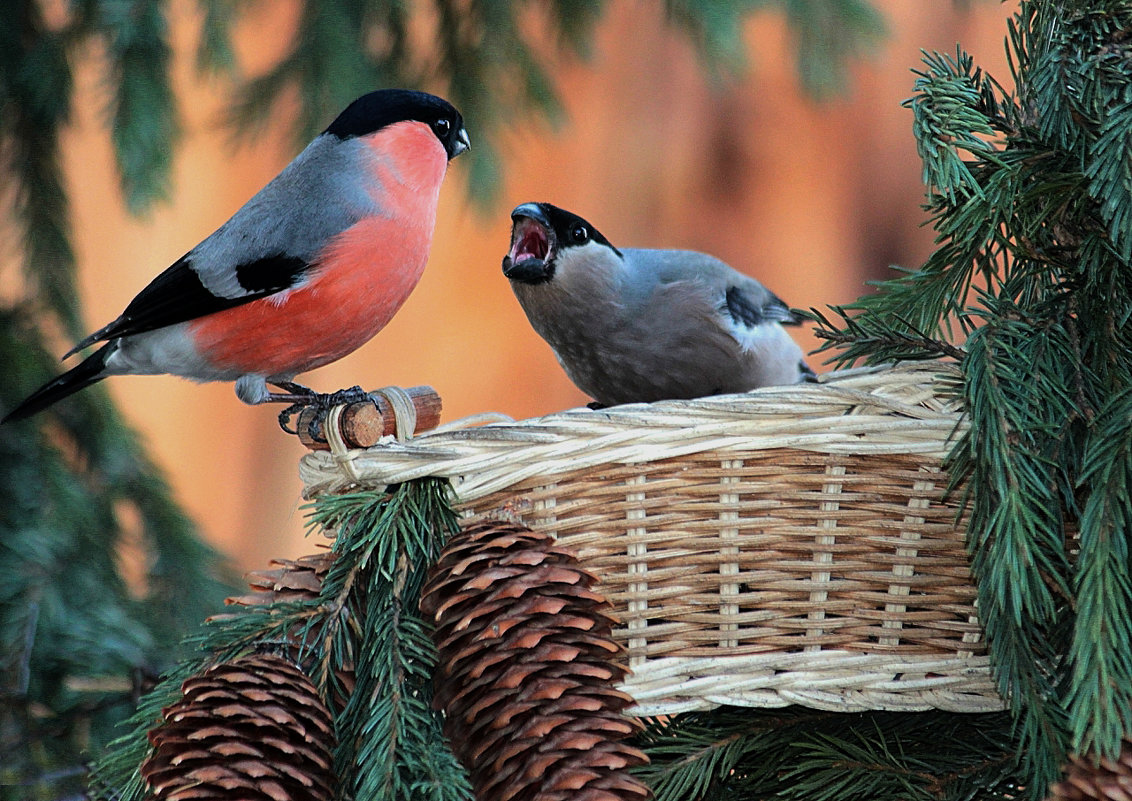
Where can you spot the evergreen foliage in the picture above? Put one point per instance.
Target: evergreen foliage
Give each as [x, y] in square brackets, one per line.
[365, 622]
[81, 505]
[1030, 289]
[479, 57]
[391, 744]
[77, 642]
[734, 753]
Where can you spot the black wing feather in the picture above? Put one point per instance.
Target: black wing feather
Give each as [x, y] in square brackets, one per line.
[744, 311]
[177, 295]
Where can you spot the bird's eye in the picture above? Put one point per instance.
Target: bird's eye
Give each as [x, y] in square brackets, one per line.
[442, 127]
[579, 234]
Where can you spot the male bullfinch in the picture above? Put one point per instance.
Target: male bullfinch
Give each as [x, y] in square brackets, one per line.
[307, 271]
[637, 325]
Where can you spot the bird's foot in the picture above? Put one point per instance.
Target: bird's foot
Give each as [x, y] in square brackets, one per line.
[292, 393]
[300, 398]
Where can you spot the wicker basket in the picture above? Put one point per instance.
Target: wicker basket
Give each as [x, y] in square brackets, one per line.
[787, 546]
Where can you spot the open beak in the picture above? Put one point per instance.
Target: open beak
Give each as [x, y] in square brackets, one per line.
[531, 258]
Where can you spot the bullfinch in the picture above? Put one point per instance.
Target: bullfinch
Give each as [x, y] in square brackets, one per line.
[307, 271]
[636, 325]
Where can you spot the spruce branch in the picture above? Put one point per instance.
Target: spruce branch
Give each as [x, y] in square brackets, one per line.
[1082, 68]
[878, 756]
[699, 755]
[214, 55]
[69, 621]
[1100, 696]
[860, 337]
[35, 91]
[390, 743]
[1016, 531]
[1030, 192]
[1110, 174]
[822, 47]
[482, 58]
[362, 620]
[145, 126]
[797, 753]
[952, 114]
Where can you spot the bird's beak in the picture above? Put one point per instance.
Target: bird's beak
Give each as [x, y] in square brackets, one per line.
[462, 142]
[531, 211]
[531, 259]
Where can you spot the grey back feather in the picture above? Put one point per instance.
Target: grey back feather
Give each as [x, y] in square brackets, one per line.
[317, 196]
[651, 267]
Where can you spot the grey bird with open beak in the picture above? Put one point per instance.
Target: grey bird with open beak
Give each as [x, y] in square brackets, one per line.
[640, 325]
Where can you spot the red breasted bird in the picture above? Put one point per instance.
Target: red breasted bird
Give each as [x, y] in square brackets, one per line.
[638, 325]
[307, 271]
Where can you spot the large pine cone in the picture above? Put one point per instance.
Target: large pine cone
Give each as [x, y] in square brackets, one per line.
[250, 729]
[1111, 780]
[526, 673]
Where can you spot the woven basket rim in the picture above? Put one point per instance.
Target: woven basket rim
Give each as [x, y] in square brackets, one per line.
[831, 680]
[902, 408]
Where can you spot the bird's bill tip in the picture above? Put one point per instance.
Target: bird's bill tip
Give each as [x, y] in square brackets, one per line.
[532, 211]
[463, 142]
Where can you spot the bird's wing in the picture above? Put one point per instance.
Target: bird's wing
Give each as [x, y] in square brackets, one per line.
[751, 304]
[178, 294]
[744, 299]
[267, 246]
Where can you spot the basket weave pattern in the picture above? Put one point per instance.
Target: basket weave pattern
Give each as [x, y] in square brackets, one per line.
[791, 545]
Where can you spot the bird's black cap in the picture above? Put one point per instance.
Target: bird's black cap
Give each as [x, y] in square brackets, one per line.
[569, 229]
[374, 111]
[539, 232]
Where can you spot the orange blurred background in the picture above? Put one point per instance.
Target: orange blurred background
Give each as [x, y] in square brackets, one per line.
[813, 198]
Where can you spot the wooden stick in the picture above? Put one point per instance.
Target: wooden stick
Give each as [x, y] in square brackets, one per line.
[363, 423]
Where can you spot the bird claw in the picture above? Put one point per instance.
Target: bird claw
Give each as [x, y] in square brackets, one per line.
[302, 398]
[285, 416]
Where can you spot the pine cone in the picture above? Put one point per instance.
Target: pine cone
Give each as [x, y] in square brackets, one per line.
[291, 581]
[1086, 781]
[253, 728]
[526, 673]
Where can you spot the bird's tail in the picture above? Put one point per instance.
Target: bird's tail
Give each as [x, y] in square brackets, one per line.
[91, 370]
